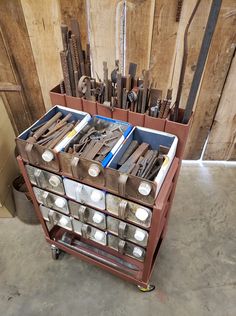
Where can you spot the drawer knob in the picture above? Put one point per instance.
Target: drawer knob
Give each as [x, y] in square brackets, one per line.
[63, 221]
[139, 235]
[97, 218]
[141, 214]
[137, 252]
[96, 196]
[48, 155]
[144, 188]
[60, 202]
[54, 181]
[93, 170]
[99, 235]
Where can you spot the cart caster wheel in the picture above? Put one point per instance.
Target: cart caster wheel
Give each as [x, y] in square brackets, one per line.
[55, 252]
[149, 288]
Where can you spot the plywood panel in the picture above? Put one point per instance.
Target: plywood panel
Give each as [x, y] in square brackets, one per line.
[75, 9]
[43, 20]
[195, 36]
[102, 26]
[139, 24]
[222, 140]
[163, 44]
[15, 32]
[216, 69]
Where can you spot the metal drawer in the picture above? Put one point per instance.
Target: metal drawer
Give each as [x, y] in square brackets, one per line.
[131, 211]
[127, 231]
[87, 215]
[45, 180]
[56, 218]
[126, 248]
[84, 194]
[89, 232]
[51, 200]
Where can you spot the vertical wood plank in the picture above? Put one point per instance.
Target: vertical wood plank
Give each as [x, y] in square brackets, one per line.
[43, 20]
[15, 32]
[102, 29]
[139, 24]
[75, 9]
[216, 69]
[14, 101]
[222, 139]
[195, 36]
[164, 36]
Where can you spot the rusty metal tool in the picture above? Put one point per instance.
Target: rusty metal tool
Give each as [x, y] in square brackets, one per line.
[64, 36]
[145, 91]
[65, 71]
[63, 133]
[167, 109]
[139, 101]
[76, 31]
[105, 80]
[44, 128]
[119, 90]
[179, 9]
[88, 63]
[141, 150]
[132, 70]
[59, 125]
[133, 97]
[62, 87]
[129, 151]
[208, 34]
[124, 98]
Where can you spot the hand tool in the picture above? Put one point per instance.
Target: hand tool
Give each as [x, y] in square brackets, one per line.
[209, 30]
[145, 91]
[64, 32]
[134, 157]
[105, 80]
[44, 128]
[129, 151]
[65, 71]
[76, 31]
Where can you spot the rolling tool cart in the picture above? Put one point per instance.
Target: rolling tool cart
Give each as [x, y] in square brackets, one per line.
[112, 215]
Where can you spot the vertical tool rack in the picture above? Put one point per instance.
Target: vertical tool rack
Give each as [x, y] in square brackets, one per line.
[160, 209]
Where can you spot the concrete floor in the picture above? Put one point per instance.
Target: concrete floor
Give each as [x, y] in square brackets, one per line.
[195, 273]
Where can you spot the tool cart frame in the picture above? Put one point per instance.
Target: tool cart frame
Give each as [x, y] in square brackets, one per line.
[160, 215]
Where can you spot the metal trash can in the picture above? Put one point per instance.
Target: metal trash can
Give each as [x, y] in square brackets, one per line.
[23, 204]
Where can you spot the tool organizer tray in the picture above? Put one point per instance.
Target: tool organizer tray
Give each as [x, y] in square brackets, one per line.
[121, 234]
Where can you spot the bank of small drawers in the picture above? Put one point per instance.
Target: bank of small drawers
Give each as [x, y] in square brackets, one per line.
[85, 211]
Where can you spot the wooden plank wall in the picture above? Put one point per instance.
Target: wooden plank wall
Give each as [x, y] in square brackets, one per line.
[141, 31]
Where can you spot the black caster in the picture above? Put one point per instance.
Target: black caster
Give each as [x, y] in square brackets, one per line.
[149, 288]
[55, 252]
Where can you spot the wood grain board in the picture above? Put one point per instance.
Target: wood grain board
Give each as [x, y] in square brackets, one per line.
[144, 32]
[163, 44]
[43, 20]
[195, 36]
[75, 9]
[15, 32]
[139, 25]
[14, 102]
[222, 139]
[102, 25]
[216, 70]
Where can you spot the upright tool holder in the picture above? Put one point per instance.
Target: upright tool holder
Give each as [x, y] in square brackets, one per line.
[120, 233]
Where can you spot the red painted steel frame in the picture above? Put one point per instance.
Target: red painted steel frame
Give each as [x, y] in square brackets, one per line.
[161, 210]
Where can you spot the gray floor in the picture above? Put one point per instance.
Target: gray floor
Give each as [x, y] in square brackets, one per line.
[195, 273]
